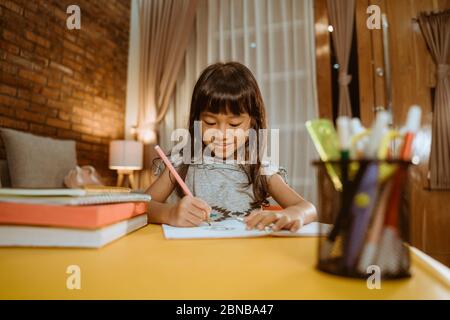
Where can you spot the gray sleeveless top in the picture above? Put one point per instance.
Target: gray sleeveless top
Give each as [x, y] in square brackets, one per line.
[224, 186]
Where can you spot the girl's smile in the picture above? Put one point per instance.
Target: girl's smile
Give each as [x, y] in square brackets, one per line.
[224, 133]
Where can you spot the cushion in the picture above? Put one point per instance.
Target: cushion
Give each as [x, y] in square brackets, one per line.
[4, 174]
[37, 162]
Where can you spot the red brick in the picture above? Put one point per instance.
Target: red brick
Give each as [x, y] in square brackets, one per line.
[72, 47]
[7, 111]
[82, 112]
[31, 5]
[84, 146]
[32, 76]
[81, 128]
[43, 110]
[42, 129]
[37, 61]
[10, 91]
[13, 102]
[37, 98]
[60, 67]
[78, 94]
[50, 93]
[89, 138]
[19, 41]
[58, 123]
[8, 47]
[100, 133]
[76, 119]
[24, 94]
[37, 39]
[89, 122]
[11, 123]
[64, 116]
[57, 104]
[71, 82]
[68, 134]
[19, 60]
[30, 116]
[7, 67]
[12, 6]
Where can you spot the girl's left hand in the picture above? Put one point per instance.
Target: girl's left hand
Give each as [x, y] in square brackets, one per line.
[260, 219]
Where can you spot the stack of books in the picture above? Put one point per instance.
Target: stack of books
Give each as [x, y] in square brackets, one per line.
[83, 218]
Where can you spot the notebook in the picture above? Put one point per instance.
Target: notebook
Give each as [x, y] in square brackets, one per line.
[232, 228]
[26, 236]
[86, 217]
[76, 192]
[42, 192]
[81, 200]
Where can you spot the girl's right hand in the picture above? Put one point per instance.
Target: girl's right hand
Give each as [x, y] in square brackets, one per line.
[189, 212]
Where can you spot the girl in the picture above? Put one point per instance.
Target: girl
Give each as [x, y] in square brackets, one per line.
[227, 100]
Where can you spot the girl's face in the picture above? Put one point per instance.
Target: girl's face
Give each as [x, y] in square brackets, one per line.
[224, 133]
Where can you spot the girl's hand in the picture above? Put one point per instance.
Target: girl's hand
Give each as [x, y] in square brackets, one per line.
[260, 219]
[189, 212]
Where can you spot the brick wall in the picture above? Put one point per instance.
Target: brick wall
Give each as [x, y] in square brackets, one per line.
[63, 83]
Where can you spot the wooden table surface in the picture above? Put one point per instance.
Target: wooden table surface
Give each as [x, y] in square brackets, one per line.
[143, 265]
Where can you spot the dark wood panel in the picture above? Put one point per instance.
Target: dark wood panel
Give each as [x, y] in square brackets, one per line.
[323, 59]
[365, 60]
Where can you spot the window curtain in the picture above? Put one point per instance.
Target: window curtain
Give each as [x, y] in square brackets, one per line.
[274, 38]
[165, 27]
[342, 15]
[194, 61]
[436, 31]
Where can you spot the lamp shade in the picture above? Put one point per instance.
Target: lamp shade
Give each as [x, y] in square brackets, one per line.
[125, 155]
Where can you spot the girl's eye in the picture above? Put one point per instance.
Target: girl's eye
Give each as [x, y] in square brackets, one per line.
[235, 125]
[209, 123]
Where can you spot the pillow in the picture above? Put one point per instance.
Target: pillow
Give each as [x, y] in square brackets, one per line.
[37, 162]
[4, 174]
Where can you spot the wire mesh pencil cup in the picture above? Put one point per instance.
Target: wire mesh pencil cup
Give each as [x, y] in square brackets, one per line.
[370, 221]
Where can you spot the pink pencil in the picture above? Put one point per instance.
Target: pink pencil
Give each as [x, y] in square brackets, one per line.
[173, 171]
[176, 175]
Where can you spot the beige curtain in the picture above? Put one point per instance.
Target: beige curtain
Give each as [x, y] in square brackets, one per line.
[165, 27]
[194, 62]
[342, 15]
[436, 31]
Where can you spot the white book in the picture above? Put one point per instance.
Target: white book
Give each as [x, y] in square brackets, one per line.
[43, 192]
[233, 228]
[79, 200]
[27, 236]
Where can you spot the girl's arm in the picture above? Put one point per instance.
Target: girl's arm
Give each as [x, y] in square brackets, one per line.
[296, 210]
[188, 212]
[160, 190]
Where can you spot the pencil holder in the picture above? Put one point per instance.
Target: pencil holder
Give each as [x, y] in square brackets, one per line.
[370, 223]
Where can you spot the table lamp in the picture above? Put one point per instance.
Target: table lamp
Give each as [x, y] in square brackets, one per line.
[125, 156]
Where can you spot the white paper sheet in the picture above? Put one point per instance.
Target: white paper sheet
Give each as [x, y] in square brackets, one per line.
[232, 228]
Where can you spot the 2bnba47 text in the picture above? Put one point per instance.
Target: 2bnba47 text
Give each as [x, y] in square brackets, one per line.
[226, 309]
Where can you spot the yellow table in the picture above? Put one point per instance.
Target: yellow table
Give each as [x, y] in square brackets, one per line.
[144, 265]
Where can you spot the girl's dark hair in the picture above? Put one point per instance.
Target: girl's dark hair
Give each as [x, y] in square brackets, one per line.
[231, 88]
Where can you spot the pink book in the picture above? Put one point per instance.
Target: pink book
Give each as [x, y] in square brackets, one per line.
[85, 217]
